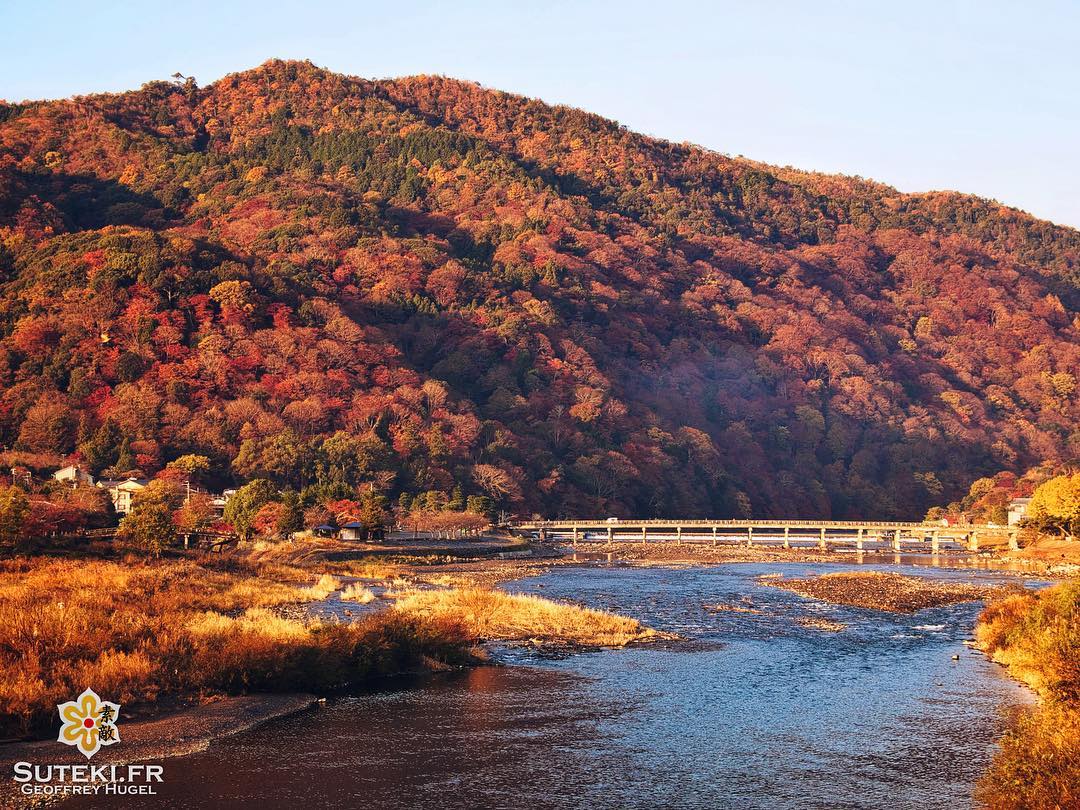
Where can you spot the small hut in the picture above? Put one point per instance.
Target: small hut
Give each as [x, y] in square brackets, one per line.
[358, 531]
[353, 531]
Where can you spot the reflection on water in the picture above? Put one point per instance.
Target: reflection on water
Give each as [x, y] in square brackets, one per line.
[759, 712]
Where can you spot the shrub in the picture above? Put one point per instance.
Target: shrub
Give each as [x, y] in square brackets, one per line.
[142, 629]
[358, 593]
[1037, 635]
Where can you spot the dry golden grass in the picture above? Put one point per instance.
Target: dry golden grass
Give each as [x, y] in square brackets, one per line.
[1038, 766]
[326, 585]
[364, 569]
[358, 593]
[140, 630]
[491, 614]
[1037, 636]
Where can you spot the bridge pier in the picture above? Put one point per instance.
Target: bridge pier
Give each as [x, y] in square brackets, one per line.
[896, 541]
[610, 534]
[935, 543]
[821, 541]
[973, 541]
[543, 535]
[749, 536]
[1014, 541]
[644, 535]
[859, 539]
[575, 536]
[787, 537]
[714, 535]
[678, 535]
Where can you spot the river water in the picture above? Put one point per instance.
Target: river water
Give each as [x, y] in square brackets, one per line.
[755, 711]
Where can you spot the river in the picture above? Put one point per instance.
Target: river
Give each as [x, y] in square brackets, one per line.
[755, 710]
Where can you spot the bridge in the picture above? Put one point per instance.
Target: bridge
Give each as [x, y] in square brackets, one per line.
[861, 535]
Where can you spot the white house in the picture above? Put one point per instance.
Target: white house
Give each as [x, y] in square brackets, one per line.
[74, 475]
[1018, 508]
[122, 492]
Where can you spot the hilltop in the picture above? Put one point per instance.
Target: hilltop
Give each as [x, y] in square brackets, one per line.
[424, 285]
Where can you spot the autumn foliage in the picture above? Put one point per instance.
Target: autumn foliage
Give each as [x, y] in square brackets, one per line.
[1037, 636]
[421, 285]
[144, 631]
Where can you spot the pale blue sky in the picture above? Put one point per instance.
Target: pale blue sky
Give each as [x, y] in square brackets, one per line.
[982, 97]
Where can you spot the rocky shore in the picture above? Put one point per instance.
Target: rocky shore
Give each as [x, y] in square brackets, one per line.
[893, 593]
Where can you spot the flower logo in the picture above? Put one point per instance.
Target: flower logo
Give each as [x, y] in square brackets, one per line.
[88, 723]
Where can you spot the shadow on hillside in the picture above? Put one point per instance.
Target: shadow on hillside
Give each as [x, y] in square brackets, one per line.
[84, 201]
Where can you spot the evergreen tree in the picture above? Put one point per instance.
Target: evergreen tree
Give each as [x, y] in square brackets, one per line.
[245, 503]
[291, 519]
[480, 505]
[373, 511]
[125, 461]
[149, 525]
[14, 510]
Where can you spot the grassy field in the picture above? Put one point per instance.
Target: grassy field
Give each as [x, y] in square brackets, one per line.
[139, 631]
[142, 631]
[1037, 636]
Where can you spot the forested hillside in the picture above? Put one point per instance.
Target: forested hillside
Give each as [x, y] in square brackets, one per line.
[422, 285]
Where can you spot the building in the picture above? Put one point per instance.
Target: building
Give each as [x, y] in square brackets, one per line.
[122, 492]
[217, 503]
[353, 531]
[1018, 508]
[74, 475]
[358, 531]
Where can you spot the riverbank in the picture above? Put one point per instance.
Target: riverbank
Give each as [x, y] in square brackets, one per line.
[153, 633]
[142, 631]
[1054, 555]
[1037, 637]
[236, 611]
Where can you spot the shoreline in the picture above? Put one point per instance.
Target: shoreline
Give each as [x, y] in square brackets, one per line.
[179, 732]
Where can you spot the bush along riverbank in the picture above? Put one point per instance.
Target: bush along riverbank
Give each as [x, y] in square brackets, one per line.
[1037, 636]
[156, 633]
[149, 633]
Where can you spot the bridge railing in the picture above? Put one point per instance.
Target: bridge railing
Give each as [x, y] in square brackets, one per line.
[773, 523]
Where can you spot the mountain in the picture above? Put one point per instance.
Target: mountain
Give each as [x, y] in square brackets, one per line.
[421, 284]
